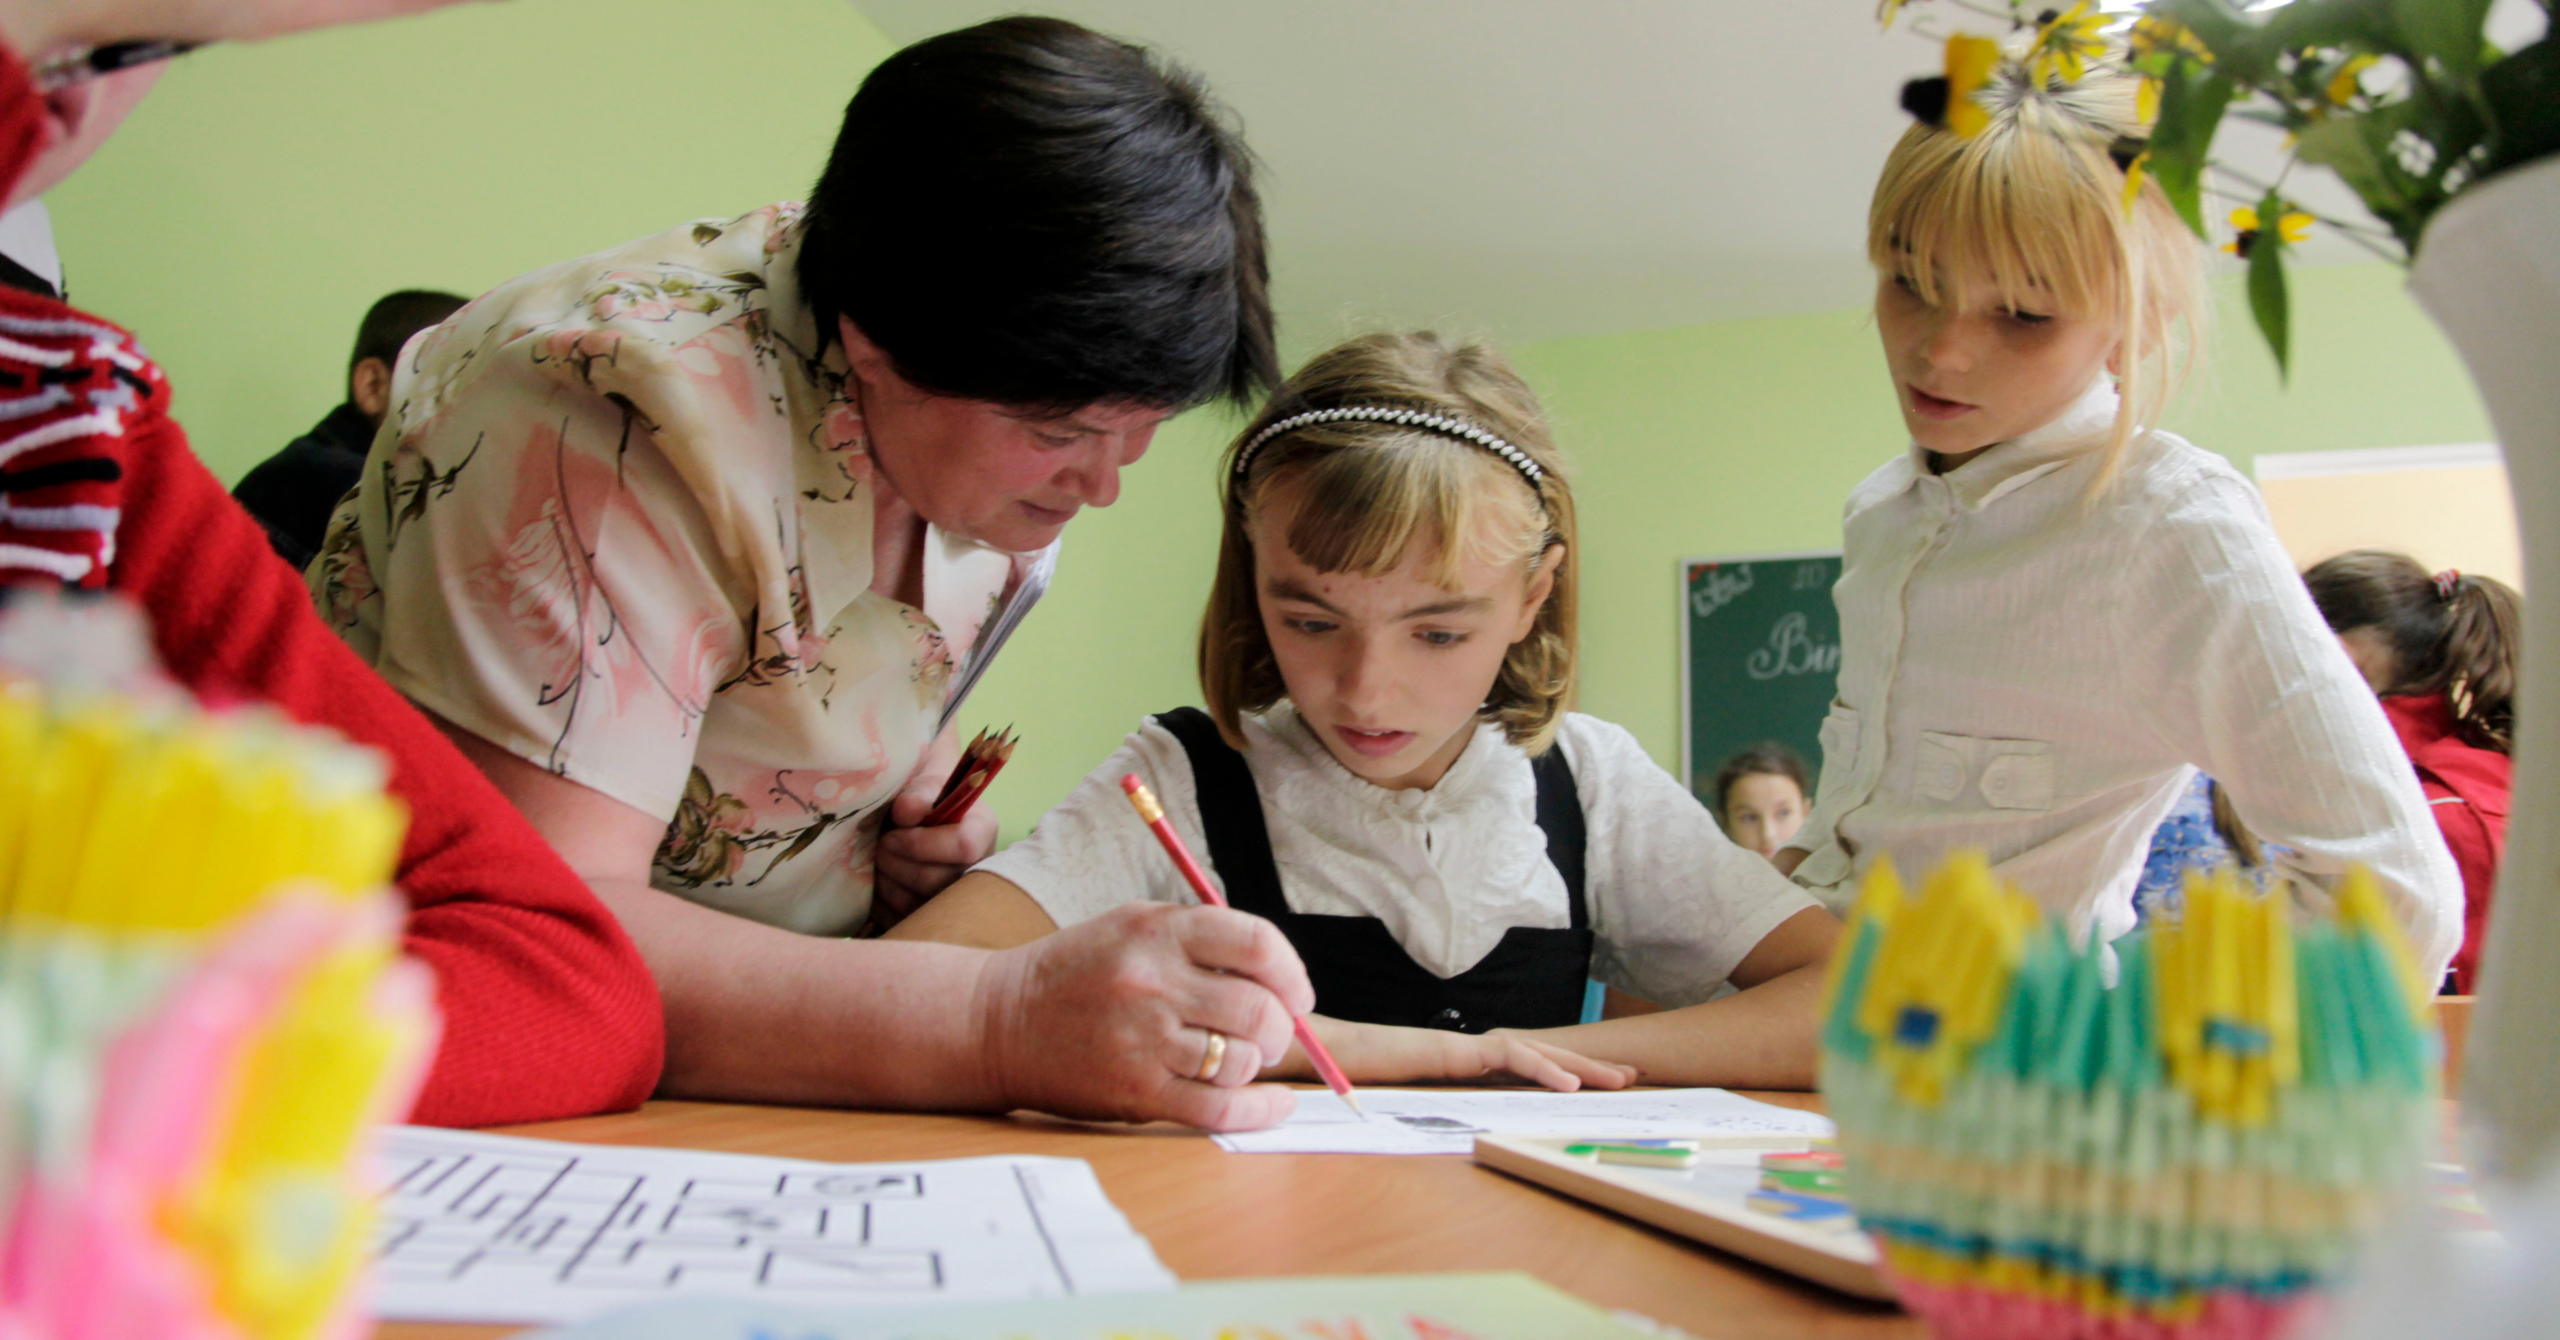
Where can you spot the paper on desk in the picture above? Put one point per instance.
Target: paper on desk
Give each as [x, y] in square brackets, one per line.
[1374, 1307]
[493, 1228]
[1429, 1121]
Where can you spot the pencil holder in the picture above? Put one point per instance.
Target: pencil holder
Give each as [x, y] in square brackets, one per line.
[203, 1009]
[2190, 1150]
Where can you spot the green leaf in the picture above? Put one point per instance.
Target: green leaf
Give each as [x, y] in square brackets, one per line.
[2447, 31]
[2238, 42]
[2357, 148]
[2266, 283]
[2191, 106]
[2359, 26]
[2523, 93]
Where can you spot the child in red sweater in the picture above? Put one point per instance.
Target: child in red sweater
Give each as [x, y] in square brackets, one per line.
[549, 1011]
[2440, 649]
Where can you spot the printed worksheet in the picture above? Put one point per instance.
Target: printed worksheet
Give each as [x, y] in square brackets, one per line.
[493, 1228]
[1445, 1121]
[1365, 1307]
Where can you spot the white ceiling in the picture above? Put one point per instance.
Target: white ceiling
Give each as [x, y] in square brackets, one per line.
[1530, 169]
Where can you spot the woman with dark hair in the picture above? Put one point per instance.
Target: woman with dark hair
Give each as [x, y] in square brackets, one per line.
[2440, 649]
[695, 546]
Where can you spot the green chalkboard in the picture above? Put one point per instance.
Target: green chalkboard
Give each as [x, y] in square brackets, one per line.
[1759, 652]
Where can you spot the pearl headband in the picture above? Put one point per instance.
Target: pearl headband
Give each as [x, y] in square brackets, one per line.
[1460, 429]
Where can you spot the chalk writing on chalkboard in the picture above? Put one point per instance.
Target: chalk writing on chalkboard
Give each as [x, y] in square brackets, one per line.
[1792, 649]
[1712, 586]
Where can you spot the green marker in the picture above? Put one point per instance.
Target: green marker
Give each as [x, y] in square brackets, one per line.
[1641, 1153]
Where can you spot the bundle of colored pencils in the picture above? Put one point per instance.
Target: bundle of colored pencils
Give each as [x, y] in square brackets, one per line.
[203, 1010]
[986, 756]
[2191, 1152]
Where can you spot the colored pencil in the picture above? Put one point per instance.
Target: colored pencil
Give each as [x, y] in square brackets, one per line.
[1153, 814]
[979, 763]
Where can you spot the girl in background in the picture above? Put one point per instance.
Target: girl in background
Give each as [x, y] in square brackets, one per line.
[1761, 795]
[2051, 612]
[1387, 768]
[2440, 650]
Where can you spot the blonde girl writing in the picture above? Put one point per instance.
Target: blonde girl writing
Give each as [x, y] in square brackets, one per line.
[1387, 768]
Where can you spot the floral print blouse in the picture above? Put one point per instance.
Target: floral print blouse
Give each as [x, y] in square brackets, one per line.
[618, 523]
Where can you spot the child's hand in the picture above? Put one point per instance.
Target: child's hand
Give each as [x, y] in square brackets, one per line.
[1504, 1052]
[1381, 1054]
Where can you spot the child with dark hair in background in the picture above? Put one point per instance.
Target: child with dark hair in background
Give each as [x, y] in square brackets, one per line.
[293, 492]
[2440, 650]
[1760, 796]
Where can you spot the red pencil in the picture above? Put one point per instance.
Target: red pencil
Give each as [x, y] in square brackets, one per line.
[1153, 813]
[979, 763]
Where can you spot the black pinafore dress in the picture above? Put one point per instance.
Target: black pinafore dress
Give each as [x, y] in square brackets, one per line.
[1534, 978]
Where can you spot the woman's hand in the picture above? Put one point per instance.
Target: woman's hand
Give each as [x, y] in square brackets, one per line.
[913, 864]
[1382, 1054]
[1111, 1018]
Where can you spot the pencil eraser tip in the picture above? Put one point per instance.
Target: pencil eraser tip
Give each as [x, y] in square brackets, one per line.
[1131, 784]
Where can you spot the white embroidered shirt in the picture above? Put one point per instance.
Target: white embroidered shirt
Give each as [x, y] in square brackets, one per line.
[2036, 675]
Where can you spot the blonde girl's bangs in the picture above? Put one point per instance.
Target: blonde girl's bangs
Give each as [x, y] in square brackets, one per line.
[2036, 206]
[2020, 208]
[1364, 510]
[1365, 496]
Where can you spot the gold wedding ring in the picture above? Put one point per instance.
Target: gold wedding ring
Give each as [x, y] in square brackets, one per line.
[1212, 1058]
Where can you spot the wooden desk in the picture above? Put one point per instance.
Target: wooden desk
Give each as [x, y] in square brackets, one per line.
[1215, 1215]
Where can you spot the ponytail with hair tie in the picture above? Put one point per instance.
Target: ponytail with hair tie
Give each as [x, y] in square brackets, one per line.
[2448, 633]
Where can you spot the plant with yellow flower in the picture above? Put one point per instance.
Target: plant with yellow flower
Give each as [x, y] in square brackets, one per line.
[2407, 101]
[2066, 44]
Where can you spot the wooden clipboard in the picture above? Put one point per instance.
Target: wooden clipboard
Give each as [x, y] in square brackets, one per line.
[1841, 1260]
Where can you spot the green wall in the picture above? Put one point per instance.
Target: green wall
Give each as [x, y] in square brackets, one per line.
[1736, 437]
[265, 195]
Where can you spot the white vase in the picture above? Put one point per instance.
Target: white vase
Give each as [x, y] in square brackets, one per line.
[2488, 271]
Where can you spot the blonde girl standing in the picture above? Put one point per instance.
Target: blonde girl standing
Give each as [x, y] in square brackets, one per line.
[2051, 611]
